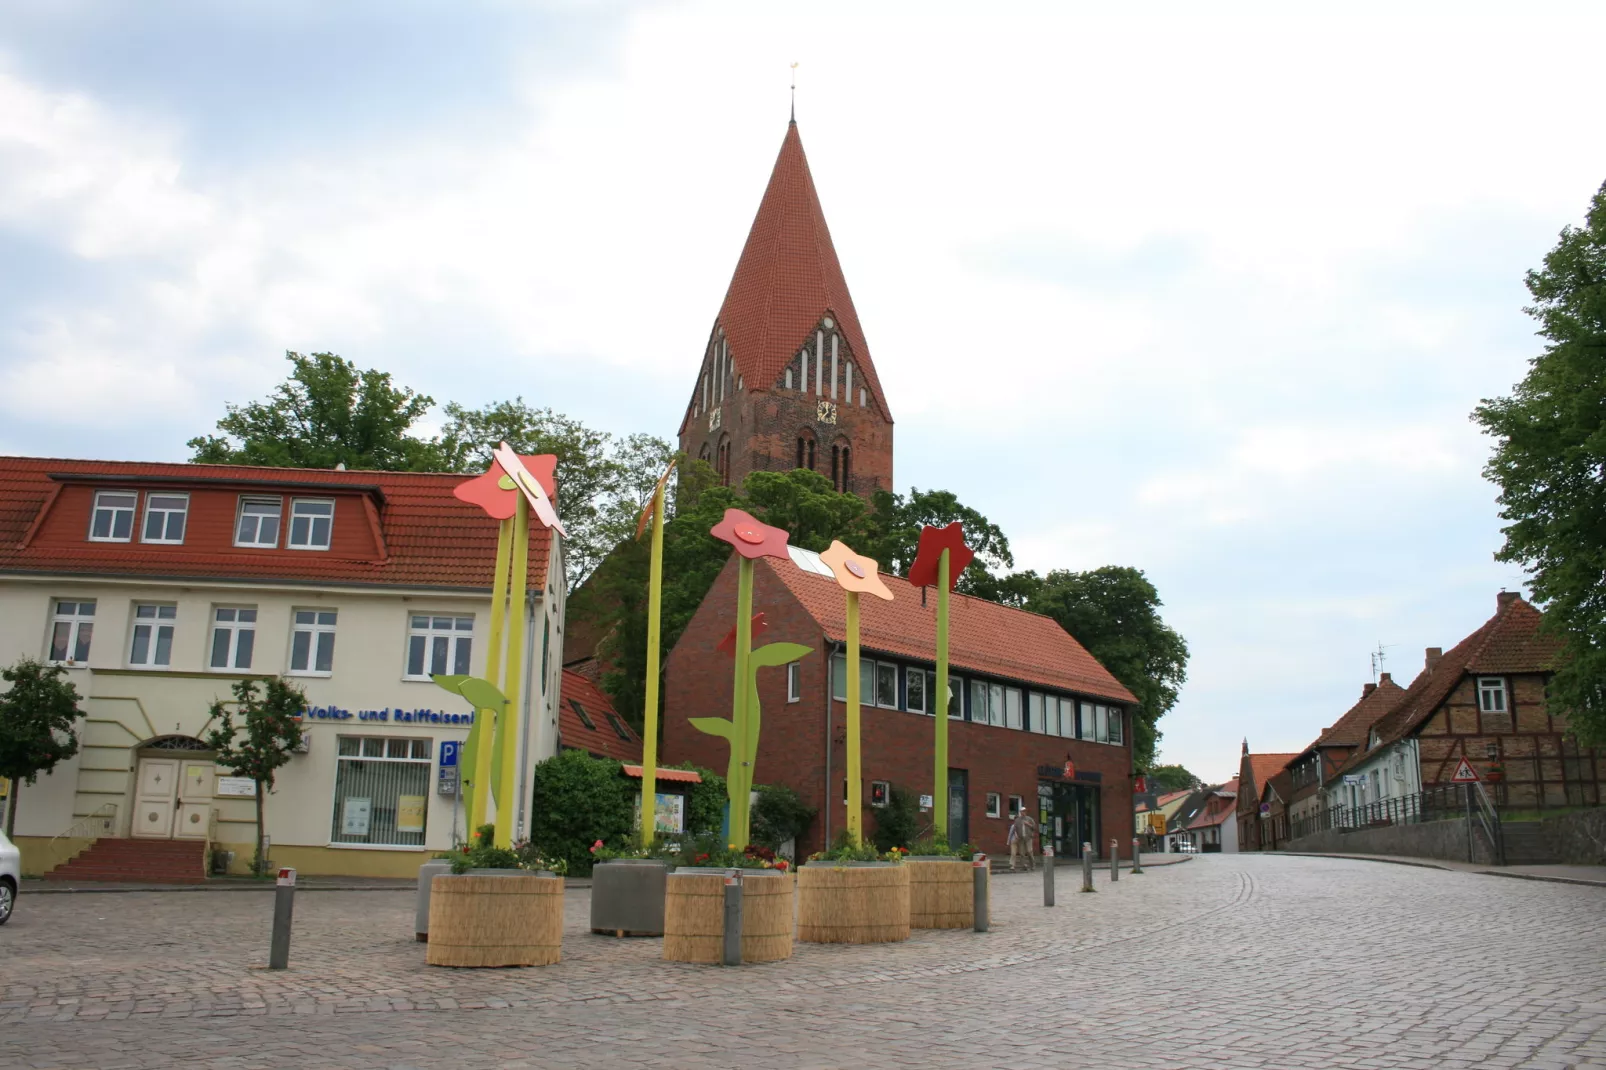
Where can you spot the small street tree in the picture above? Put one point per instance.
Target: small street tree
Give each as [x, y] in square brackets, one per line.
[256, 737]
[37, 718]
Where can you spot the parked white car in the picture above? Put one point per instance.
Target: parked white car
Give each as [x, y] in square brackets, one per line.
[10, 877]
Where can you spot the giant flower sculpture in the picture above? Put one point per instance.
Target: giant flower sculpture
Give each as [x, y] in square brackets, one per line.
[751, 539]
[940, 558]
[653, 514]
[511, 491]
[856, 575]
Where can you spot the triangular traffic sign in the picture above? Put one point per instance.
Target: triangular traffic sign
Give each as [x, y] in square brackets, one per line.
[1464, 773]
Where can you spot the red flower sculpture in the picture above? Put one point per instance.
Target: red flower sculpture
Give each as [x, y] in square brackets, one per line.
[750, 538]
[933, 541]
[495, 491]
[727, 645]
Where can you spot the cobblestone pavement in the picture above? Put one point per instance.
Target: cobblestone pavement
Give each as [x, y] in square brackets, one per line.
[1228, 961]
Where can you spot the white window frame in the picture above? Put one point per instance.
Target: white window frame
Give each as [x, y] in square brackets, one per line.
[132, 510]
[420, 751]
[885, 787]
[908, 691]
[235, 627]
[1036, 718]
[278, 522]
[156, 623]
[315, 629]
[994, 804]
[1117, 722]
[431, 631]
[151, 509]
[881, 669]
[312, 524]
[956, 685]
[794, 682]
[75, 621]
[1492, 687]
[1016, 805]
[1012, 708]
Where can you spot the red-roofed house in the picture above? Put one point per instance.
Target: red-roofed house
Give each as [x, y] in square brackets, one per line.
[786, 379]
[1482, 701]
[587, 721]
[1032, 714]
[157, 586]
[1256, 772]
[1326, 755]
[1208, 825]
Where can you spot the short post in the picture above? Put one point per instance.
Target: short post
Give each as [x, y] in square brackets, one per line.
[1087, 868]
[978, 875]
[1137, 856]
[1115, 861]
[733, 918]
[1048, 875]
[284, 902]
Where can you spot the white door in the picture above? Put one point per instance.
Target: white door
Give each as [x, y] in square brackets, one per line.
[156, 797]
[194, 801]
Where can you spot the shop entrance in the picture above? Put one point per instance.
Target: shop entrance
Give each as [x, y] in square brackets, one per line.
[1068, 816]
[172, 791]
[958, 807]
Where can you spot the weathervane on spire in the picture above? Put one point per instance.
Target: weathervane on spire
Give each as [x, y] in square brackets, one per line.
[794, 91]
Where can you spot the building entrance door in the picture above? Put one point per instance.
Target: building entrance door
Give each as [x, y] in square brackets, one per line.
[172, 799]
[1071, 812]
[958, 807]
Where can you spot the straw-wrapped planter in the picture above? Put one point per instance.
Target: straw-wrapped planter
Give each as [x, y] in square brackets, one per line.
[853, 902]
[694, 915]
[627, 897]
[942, 892]
[505, 918]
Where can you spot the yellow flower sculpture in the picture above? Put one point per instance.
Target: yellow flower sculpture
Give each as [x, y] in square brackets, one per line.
[855, 573]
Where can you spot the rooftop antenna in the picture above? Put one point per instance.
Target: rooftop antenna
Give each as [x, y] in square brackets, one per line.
[794, 92]
[1378, 658]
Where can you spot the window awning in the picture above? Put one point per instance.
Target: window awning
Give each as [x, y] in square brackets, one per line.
[684, 775]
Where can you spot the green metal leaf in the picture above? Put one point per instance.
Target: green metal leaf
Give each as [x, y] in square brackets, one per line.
[482, 693]
[772, 654]
[714, 726]
[454, 684]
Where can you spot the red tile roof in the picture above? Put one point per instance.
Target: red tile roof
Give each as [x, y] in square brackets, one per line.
[1508, 642]
[787, 278]
[1351, 729]
[684, 776]
[1262, 767]
[982, 636]
[391, 528]
[600, 738]
[1216, 812]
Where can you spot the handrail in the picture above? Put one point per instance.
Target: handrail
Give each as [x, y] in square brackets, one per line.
[1489, 818]
[95, 824]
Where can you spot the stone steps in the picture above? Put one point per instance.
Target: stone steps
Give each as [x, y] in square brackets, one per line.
[136, 862]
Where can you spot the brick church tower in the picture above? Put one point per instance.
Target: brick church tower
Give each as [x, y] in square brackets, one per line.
[786, 379]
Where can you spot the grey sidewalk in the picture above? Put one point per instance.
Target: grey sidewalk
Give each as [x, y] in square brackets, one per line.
[1592, 875]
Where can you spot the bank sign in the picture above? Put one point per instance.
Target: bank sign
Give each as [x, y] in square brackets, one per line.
[387, 715]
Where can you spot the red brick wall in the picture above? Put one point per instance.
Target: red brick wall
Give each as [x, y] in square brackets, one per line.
[896, 746]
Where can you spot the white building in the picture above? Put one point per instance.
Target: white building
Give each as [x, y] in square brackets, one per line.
[160, 585]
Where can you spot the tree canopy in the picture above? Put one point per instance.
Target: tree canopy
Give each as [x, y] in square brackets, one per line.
[38, 715]
[1549, 461]
[255, 735]
[327, 413]
[1164, 778]
[1114, 613]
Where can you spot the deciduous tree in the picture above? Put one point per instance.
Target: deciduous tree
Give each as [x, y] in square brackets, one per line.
[255, 735]
[1550, 464]
[38, 717]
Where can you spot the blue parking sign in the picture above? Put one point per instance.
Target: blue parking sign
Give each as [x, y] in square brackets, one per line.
[449, 750]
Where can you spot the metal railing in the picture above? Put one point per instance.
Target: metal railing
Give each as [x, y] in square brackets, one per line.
[1467, 802]
[99, 822]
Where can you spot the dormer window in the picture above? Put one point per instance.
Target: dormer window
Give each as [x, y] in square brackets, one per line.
[113, 519]
[258, 524]
[311, 523]
[164, 518]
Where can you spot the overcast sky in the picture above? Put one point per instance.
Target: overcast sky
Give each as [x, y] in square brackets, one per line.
[1207, 294]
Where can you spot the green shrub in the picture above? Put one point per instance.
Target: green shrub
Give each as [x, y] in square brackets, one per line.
[779, 815]
[897, 823]
[927, 845]
[705, 803]
[577, 800]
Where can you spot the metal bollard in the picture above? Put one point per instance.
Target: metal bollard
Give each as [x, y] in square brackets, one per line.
[1137, 857]
[1087, 868]
[1115, 861]
[979, 868]
[284, 902]
[733, 918]
[1048, 875]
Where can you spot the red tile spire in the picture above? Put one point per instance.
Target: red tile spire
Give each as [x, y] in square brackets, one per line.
[787, 279]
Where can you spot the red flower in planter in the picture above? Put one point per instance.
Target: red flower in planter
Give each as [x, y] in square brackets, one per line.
[933, 541]
[596, 847]
[782, 865]
[751, 538]
[498, 495]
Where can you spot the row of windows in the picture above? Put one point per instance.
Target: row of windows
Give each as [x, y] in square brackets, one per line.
[257, 523]
[892, 686]
[881, 794]
[435, 644]
[841, 459]
[828, 373]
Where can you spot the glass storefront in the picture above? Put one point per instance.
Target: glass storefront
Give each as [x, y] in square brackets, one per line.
[381, 791]
[1068, 815]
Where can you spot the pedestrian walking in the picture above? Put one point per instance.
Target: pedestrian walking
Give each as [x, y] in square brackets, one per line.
[1022, 837]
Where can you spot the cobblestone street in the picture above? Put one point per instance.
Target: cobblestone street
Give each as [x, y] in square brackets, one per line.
[1226, 961]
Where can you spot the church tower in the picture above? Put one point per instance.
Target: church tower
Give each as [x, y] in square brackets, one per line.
[786, 379]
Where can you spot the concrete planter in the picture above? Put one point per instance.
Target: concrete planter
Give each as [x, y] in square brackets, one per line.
[426, 875]
[627, 897]
[853, 902]
[694, 915]
[495, 918]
